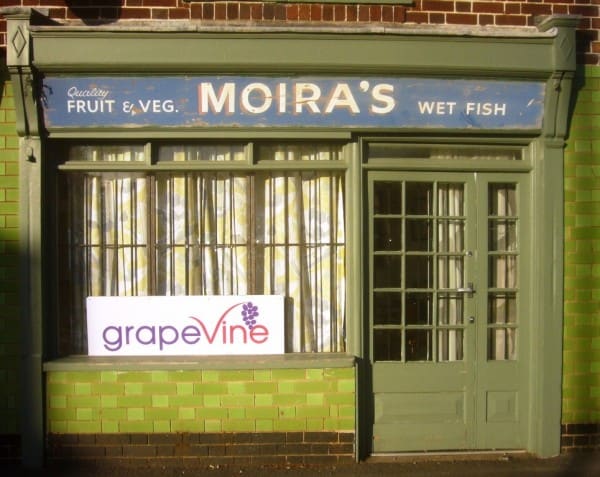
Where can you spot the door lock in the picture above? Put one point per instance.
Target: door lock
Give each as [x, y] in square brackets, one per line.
[471, 319]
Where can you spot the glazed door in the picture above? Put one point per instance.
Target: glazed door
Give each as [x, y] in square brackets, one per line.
[446, 320]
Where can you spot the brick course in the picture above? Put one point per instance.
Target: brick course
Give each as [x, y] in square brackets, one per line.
[438, 12]
[580, 437]
[207, 448]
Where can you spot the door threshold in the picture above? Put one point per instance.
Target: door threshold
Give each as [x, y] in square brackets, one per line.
[461, 455]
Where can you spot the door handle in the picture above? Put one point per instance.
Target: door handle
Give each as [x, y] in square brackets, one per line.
[469, 289]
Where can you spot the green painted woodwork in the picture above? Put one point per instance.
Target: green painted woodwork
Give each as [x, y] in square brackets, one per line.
[85, 50]
[227, 400]
[474, 402]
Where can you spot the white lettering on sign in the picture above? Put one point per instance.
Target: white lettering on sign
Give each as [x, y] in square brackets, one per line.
[149, 106]
[185, 325]
[303, 97]
[209, 100]
[342, 97]
[439, 108]
[264, 96]
[443, 108]
[90, 106]
[486, 109]
[383, 93]
[75, 92]
[293, 101]
[306, 97]
[92, 100]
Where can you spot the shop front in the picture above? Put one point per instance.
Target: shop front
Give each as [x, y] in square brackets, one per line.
[291, 244]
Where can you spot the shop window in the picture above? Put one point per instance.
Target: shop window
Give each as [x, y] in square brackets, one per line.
[205, 219]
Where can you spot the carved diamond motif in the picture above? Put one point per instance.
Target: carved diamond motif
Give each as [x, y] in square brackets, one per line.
[19, 42]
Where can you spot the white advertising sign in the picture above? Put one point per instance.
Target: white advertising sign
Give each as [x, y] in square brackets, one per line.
[185, 325]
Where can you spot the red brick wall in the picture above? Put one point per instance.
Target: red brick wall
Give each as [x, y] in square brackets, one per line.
[436, 12]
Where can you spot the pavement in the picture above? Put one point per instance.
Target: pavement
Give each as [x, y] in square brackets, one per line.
[582, 464]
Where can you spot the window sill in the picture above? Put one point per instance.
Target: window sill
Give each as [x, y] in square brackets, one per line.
[137, 363]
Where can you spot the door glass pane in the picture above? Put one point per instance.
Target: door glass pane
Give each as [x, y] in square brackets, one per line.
[451, 235]
[427, 237]
[503, 257]
[502, 308]
[387, 198]
[419, 271]
[502, 235]
[387, 345]
[450, 345]
[387, 308]
[502, 344]
[419, 198]
[502, 200]
[419, 309]
[419, 235]
[450, 309]
[418, 345]
[450, 199]
[450, 272]
[387, 271]
[387, 234]
[503, 271]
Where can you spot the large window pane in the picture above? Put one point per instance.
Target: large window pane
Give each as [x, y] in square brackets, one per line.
[202, 234]
[299, 152]
[213, 152]
[103, 245]
[107, 153]
[206, 233]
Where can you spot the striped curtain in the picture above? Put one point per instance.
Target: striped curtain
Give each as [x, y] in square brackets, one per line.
[216, 233]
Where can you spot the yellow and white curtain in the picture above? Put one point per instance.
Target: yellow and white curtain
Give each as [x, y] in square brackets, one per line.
[451, 240]
[220, 233]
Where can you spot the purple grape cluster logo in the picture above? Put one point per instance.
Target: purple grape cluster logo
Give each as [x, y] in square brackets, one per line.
[222, 329]
[249, 314]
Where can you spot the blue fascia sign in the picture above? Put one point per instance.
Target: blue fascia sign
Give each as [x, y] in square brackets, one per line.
[336, 102]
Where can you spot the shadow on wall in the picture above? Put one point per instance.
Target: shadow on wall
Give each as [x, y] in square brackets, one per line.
[10, 350]
[96, 13]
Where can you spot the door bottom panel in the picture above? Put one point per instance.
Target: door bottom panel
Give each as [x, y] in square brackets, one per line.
[420, 421]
